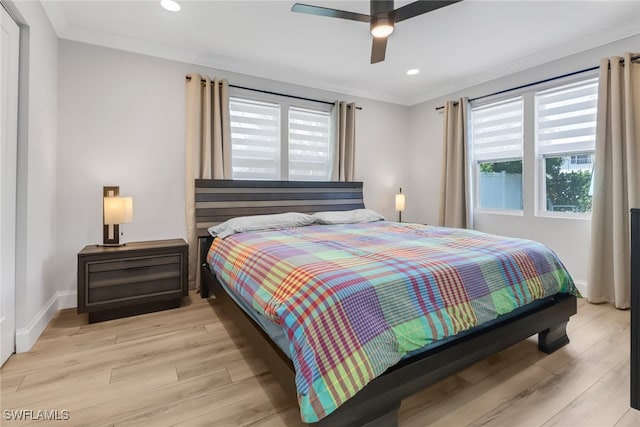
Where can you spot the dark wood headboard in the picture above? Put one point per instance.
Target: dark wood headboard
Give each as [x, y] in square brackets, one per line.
[218, 200]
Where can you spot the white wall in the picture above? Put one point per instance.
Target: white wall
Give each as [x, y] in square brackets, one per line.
[122, 122]
[36, 297]
[570, 238]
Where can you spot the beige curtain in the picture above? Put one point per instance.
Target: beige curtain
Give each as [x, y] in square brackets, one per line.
[208, 147]
[345, 141]
[616, 186]
[455, 207]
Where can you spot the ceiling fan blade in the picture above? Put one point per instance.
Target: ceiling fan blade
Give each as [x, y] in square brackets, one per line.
[378, 49]
[419, 7]
[331, 13]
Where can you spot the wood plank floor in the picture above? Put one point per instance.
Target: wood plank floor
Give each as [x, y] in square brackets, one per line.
[191, 367]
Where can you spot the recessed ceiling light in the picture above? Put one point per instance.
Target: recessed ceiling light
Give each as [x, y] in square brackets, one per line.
[170, 5]
[413, 72]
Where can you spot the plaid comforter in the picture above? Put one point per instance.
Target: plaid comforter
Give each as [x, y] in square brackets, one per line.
[354, 299]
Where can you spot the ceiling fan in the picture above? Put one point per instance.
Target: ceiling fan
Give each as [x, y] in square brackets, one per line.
[382, 19]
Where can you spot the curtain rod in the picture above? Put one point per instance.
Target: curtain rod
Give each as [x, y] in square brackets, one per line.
[550, 79]
[277, 93]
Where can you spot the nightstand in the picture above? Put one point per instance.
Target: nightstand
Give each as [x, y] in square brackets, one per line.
[137, 278]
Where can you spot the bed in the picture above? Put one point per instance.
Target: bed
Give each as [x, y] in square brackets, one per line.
[378, 402]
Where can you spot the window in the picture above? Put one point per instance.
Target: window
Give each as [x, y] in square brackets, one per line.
[536, 151]
[497, 135]
[565, 143]
[278, 141]
[255, 139]
[309, 145]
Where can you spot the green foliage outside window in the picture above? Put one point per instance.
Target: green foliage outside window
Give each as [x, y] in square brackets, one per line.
[513, 166]
[568, 190]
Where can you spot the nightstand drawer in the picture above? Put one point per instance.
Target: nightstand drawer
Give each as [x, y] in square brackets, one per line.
[132, 291]
[133, 263]
[133, 278]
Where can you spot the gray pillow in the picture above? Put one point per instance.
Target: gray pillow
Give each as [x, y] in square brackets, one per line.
[347, 217]
[260, 223]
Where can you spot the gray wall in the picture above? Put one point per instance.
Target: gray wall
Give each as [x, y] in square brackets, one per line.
[122, 122]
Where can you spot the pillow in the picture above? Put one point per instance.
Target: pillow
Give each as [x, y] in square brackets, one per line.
[259, 223]
[347, 217]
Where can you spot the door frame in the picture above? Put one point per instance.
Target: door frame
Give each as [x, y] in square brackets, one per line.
[9, 77]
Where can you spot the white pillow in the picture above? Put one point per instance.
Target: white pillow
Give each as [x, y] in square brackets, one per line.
[260, 222]
[347, 217]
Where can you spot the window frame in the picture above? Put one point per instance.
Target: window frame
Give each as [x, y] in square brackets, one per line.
[541, 177]
[285, 103]
[540, 209]
[476, 163]
[328, 115]
[476, 189]
[532, 179]
[277, 139]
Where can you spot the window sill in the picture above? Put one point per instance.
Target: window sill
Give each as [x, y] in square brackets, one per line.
[499, 212]
[564, 215]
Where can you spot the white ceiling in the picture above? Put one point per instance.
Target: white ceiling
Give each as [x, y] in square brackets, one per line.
[454, 47]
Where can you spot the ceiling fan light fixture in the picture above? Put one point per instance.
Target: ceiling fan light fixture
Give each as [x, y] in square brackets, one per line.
[382, 18]
[381, 27]
[170, 5]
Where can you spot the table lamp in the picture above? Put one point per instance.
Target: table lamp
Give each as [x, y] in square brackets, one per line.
[400, 204]
[116, 210]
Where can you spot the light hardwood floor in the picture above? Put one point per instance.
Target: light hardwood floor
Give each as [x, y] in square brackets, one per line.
[191, 367]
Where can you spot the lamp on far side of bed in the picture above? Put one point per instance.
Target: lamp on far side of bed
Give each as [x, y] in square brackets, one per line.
[400, 204]
[116, 210]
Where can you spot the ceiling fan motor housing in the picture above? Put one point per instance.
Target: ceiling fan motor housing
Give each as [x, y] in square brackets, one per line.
[382, 15]
[381, 7]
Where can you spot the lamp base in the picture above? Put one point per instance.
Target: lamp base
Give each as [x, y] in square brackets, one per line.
[112, 245]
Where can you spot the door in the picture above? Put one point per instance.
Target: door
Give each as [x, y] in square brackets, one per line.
[10, 43]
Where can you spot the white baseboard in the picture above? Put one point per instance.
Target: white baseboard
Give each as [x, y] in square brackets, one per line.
[67, 299]
[27, 337]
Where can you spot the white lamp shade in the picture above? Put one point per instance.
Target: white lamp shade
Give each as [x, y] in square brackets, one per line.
[400, 202]
[118, 210]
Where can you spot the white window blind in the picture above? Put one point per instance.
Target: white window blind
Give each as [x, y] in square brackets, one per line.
[309, 145]
[497, 130]
[255, 139]
[566, 118]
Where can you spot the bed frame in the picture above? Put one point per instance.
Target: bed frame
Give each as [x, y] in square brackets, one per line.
[377, 404]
